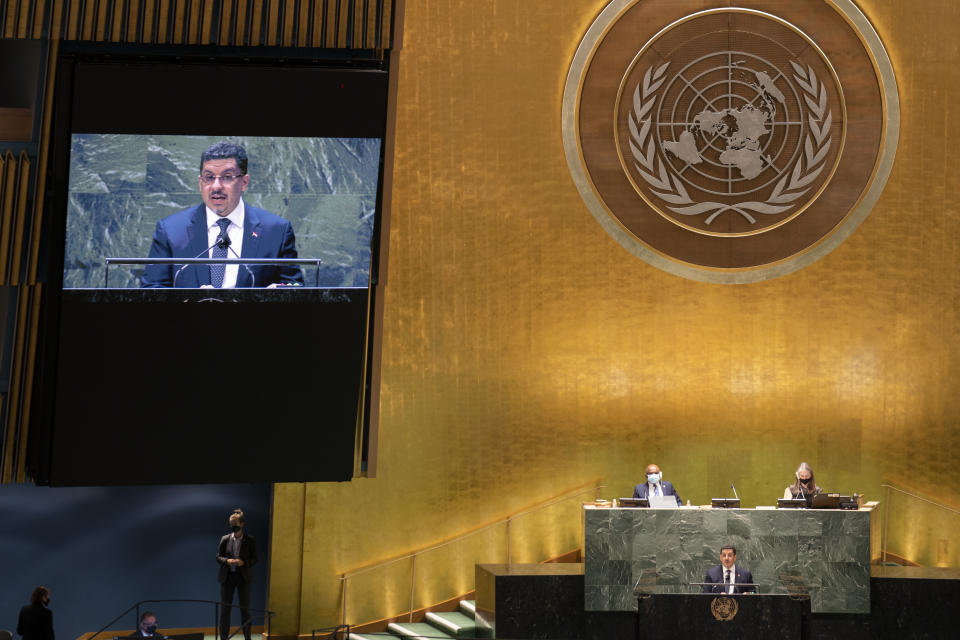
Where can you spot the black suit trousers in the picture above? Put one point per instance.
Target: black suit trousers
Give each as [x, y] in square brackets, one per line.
[234, 582]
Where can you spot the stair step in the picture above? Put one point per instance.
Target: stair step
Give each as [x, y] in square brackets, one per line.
[454, 623]
[416, 630]
[370, 636]
[469, 607]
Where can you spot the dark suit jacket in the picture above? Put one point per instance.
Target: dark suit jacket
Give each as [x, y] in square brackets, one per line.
[184, 235]
[640, 491]
[248, 553]
[35, 623]
[715, 574]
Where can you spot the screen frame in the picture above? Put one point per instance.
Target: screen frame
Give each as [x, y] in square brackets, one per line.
[356, 76]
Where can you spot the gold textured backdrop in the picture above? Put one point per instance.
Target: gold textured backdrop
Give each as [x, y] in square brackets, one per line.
[526, 352]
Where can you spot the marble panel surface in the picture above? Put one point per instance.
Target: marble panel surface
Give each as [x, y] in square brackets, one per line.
[825, 553]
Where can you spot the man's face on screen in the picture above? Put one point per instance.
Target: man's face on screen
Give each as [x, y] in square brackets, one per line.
[221, 185]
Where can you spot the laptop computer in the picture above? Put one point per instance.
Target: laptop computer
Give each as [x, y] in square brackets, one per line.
[725, 503]
[663, 502]
[825, 501]
[791, 503]
[633, 503]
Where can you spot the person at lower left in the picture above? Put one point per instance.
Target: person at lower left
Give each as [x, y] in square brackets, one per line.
[36, 620]
[728, 577]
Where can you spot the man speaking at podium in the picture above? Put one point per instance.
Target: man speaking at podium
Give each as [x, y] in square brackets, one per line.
[222, 227]
[728, 577]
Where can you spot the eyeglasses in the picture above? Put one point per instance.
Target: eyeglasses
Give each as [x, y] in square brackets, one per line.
[226, 179]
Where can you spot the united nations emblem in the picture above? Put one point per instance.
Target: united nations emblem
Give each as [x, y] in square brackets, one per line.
[724, 608]
[738, 150]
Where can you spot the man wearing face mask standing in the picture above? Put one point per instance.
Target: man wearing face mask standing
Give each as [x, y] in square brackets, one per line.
[804, 484]
[655, 486]
[148, 627]
[236, 555]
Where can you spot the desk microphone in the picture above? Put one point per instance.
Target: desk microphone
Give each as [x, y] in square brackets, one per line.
[800, 484]
[226, 243]
[216, 243]
[736, 495]
[222, 242]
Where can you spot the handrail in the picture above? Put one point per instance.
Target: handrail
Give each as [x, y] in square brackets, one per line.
[543, 505]
[594, 485]
[886, 514]
[217, 603]
[918, 497]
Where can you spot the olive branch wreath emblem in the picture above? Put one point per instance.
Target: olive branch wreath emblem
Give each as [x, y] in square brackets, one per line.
[791, 186]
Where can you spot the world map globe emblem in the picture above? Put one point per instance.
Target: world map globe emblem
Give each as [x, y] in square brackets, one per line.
[730, 144]
[730, 140]
[734, 131]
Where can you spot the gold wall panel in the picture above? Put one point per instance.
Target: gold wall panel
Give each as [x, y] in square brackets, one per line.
[525, 352]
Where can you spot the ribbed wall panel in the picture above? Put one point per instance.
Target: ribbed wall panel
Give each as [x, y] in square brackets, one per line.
[14, 189]
[17, 401]
[335, 24]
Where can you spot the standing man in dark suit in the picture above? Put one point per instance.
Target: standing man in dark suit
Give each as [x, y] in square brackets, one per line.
[222, 227]
[36, 620]
[655, 486]
[728, 576]
[237, 554]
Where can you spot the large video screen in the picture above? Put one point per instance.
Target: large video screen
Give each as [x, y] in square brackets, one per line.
[197, 376]
[122, 185]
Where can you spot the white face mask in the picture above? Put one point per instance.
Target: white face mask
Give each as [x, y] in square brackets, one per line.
[653, 478]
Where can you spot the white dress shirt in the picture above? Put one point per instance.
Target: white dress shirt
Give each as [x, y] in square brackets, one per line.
[235, 233]
[733, 578]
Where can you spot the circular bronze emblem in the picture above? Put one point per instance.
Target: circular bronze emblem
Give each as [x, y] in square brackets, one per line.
[724, 608]
[727, 144]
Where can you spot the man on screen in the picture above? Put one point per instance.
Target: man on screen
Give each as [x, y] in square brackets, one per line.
[222, 227]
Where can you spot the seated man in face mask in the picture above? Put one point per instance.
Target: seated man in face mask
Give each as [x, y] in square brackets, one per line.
[655, 486]
[148, 627]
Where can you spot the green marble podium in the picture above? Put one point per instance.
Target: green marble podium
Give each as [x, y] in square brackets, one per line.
[823, 553]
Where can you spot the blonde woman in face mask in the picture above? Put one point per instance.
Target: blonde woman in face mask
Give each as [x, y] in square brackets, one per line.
[803, 485]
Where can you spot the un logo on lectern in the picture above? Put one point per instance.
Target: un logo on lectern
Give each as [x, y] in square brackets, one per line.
[724, 608]
[743, 144]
